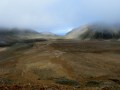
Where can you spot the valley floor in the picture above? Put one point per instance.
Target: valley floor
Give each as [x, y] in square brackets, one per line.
[61, 65]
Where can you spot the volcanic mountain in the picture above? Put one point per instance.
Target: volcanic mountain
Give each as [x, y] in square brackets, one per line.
[95, 32]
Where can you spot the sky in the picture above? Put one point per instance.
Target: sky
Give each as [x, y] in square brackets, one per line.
[57, 16]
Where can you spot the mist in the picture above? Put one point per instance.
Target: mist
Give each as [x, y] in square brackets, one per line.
[57, 16]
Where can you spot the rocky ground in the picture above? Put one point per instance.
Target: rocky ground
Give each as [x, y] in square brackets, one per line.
[60, 65]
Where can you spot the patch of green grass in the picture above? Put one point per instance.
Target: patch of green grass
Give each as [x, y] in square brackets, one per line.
[65, 81]
[93, 83]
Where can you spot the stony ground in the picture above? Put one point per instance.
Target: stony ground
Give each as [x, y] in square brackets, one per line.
[61, 65]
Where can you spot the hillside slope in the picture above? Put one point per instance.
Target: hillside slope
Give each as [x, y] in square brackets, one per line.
[8, 36]
[95, 32]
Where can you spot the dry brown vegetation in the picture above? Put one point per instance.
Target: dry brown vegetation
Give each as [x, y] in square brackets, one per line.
[61, 65]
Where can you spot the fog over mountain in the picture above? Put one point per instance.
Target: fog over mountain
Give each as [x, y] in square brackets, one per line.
[57, 16]
[95, 31]
[8, 36]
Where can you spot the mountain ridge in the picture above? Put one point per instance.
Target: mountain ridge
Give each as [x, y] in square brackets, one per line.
[92, 32]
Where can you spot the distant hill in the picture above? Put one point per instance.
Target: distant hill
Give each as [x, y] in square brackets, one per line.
[13, 35]
[96, 31]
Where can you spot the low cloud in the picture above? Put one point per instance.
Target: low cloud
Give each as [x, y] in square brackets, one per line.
[57, 15]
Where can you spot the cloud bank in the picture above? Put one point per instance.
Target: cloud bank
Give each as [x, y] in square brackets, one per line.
[57, 16]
